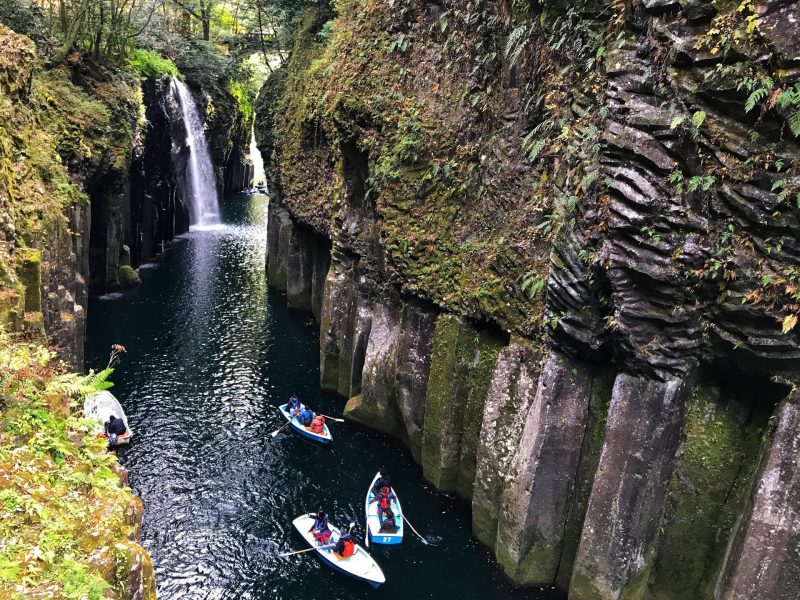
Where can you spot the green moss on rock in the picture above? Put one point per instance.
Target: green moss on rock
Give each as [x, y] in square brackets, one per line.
[538, 566]
[706, 493]
[375, 417]
[30, 274]
[128, 277]
[488, 345]
[64, 506]
[462, 363]
[442, 415]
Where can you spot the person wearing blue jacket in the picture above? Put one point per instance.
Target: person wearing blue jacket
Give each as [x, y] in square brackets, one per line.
[294, 406]
[305, 417]
[320, 528]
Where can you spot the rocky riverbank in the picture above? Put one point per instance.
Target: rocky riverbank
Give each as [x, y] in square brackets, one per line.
[88, 192]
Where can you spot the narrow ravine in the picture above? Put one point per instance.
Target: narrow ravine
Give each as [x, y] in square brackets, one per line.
[211, 351]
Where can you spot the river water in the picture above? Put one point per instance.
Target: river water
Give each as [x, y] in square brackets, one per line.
[211, 352]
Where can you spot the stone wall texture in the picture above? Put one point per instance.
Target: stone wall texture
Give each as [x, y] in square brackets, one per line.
[553, 249]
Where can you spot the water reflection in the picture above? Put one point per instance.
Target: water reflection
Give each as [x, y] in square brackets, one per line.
[211, 352]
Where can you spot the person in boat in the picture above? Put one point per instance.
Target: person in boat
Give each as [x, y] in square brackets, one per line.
[320, 528]
[345, 546]
[317, 425]
[114, 427]
[389, 523]
[294, 406]
[305, 417]
[382, 482]
[384, 500]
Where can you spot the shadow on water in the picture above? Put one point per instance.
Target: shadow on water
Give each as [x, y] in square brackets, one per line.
[211, 352]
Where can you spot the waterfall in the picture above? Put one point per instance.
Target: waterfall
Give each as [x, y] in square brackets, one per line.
[258, 162]
[200, 182]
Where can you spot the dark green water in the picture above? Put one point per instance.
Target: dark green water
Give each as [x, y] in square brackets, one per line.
[211, 352]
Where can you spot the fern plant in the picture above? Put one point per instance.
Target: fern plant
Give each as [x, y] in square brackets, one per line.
[78, 386]
[759, 88]
[789, 99]
[532, 284]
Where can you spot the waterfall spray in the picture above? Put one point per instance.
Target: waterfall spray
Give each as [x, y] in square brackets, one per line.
[200, 183]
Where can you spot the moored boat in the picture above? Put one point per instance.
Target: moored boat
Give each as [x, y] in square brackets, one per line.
[324, 438]
[378, 534]
[99, 406]
[359, 566]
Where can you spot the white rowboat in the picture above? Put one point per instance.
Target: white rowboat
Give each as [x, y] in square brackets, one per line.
[99, 406]
[324, 438]
[360, 566]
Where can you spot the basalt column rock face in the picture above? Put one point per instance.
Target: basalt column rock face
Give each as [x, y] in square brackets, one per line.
[709, 490]
[238, 172]
[511, 392]
[395, 373]
[297, 260]
[764, 557]
[462, 361]
[157, 212]
[639, 452]
[545, 490]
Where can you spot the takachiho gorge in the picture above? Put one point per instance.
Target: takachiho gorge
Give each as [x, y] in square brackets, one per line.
[321, 299]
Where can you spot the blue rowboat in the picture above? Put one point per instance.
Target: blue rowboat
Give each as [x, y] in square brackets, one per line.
[324, 438]
[377, 534]
[359, 566]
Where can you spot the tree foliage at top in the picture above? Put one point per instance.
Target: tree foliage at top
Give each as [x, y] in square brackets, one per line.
[110, 30]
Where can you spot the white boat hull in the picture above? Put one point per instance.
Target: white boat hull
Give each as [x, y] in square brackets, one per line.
[360, 565]
[99, 406]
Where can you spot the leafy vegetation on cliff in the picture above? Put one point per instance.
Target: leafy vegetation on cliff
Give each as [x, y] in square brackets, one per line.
[399, 110]
[67, 522]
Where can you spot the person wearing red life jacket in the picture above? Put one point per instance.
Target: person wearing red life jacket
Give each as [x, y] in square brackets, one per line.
[317, 425]
[345, 546]
[384, 500]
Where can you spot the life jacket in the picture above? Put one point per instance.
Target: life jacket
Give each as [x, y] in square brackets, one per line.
[317, 425]
[323, 536]
[349, 548]
[385, 504]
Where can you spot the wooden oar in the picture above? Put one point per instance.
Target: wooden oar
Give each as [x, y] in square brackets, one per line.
[285, 425]
[422, 539]
[332, 418]
[326, 416]
[306, 550]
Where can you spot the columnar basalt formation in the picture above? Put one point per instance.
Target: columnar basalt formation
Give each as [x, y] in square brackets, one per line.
[563, 270]
[762, 558]
[61, 150]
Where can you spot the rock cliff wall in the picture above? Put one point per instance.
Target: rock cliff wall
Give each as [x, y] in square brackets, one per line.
[562, 270]
[69, 519]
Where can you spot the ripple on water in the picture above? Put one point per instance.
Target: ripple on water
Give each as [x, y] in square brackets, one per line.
[211, 352]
